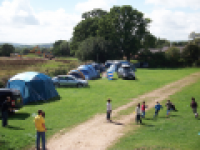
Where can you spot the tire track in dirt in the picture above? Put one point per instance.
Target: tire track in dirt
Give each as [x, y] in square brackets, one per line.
[97, 134]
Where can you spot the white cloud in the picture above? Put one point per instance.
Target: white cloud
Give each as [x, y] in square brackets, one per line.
[173, 25]
[91, 4]
[193, 4]
[19, 23]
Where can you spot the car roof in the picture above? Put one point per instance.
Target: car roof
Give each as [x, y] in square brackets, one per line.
[65, 76]
[9, 90]
[5, 90]
[125, 65]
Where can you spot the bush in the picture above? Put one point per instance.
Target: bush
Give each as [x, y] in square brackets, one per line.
[1, 84]
[3, 81]
[56, 72]
[196, 63]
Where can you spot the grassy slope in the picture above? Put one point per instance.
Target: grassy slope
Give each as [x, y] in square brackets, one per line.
[78, 105]
[179, 132]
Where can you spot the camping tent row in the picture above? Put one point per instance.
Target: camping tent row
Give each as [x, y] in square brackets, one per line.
[87, 72]
[33, 86]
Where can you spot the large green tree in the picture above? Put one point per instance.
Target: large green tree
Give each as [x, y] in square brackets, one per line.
[61, 48]
[86, 28]
[191, 53]
[94, 48]
[125, 26]
[173, 56]
[6, 49]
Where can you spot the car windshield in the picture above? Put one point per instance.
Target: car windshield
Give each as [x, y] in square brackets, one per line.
[127, 69]
[70, 78]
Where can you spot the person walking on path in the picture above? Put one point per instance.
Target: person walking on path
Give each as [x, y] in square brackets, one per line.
[41, 129]
[138, 114]
[169, 107]
[4, 111]
[194, 105]
[157, 109]
[143, 109]
[109, 110]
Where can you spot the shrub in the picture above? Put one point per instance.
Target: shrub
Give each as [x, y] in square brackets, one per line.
[4, 80]
[56, 72]
[1, 84]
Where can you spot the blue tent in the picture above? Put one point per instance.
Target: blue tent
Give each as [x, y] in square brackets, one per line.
[33, 86]
[87, 71]
[96, 74]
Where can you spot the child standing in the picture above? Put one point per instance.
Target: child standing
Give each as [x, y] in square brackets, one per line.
[138, 114]
[194, 105]
[157, 109]
[109, 110]
[143, 109]
[169, 106]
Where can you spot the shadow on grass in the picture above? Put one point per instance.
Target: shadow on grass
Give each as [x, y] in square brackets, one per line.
[14, 128]
[147, 125]
[44, 101]
[19, 116]
[117, 123]
[147, 118]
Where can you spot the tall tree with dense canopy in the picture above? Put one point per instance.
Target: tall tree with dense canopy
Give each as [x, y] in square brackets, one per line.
[94, 48]
[61, 48]
[6, 49]
[126, 27]
[191, 53]
[86, 28]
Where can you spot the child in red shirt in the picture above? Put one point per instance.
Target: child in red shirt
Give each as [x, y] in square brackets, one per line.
[143, 109]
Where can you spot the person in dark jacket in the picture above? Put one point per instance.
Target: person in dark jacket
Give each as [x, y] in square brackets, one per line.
[194, 105]
[169, 107]
[4, 110]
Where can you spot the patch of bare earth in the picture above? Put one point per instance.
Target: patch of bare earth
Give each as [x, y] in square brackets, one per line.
[97, 134]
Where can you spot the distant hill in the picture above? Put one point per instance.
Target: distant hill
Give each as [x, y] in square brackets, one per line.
[18, 45]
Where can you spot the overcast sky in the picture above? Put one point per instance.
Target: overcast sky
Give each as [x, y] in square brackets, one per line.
[45, 21]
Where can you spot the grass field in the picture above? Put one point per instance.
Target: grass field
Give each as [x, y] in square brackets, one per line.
[12, 67]
[179, 132]
[78, 105]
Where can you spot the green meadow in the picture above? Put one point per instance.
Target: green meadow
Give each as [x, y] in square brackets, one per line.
[77, 105]
[178, 132]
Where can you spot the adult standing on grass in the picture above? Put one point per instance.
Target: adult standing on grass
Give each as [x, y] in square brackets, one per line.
[169, 106]
[143, 109]
[4, 111]
[138, 114]
[109, 110]
[157, 109]
[194, 105]
[41, 129]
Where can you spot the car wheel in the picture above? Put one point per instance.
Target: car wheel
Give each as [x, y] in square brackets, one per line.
[79, 85]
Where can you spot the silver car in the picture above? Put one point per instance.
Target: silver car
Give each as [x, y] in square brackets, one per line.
[68, 80]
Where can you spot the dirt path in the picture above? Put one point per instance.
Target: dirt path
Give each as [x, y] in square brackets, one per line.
[97, 134]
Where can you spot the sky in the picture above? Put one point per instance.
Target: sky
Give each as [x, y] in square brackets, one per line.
[45, 21]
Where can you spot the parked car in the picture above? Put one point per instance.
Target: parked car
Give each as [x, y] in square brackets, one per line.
[126, 72]
[16, 98]
[68, 80]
